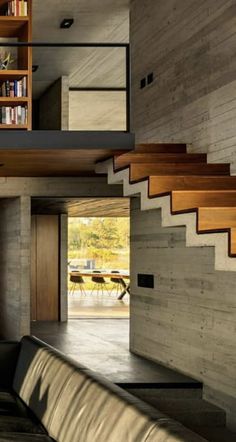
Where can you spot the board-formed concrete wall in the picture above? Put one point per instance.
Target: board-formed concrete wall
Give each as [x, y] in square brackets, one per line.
[14, 265]
[190, 46]
[188, 320]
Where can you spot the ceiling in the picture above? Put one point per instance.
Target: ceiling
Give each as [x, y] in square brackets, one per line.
[51, 162]
[82, 207]
[94, 21]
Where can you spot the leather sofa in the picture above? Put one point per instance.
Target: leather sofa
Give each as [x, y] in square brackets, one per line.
[45, 396]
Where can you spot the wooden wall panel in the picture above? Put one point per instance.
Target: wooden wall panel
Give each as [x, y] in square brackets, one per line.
[190, 46]
[46, 269]
[33, 286]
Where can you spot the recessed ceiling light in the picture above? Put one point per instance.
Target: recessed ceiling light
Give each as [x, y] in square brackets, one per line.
[35, 67]
[66, 23]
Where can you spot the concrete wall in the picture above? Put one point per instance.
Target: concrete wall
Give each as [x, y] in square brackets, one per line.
[97, 110]
[54, 106]
[14, 265]
[190, 46]
[188, 320]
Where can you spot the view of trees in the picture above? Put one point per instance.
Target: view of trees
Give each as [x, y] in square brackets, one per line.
[104, 239]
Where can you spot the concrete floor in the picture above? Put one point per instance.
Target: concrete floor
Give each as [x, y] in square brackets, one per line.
[103, 346]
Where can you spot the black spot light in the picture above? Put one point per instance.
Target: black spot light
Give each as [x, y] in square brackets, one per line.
[66, 23]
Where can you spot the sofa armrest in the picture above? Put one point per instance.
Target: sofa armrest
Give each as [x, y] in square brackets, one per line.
[9, 352]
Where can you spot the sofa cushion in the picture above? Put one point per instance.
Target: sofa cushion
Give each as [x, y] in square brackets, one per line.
[39, 379]
[91, 409]
[24, 437]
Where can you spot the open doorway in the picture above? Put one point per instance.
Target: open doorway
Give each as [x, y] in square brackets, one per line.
[98, 267]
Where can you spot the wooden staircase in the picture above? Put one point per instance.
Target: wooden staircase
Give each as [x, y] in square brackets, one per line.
[189, 191]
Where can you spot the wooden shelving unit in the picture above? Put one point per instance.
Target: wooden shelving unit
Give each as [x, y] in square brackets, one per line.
[20, 28]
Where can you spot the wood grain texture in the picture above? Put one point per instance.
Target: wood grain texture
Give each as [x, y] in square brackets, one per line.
[142, 158]
[82, 207]
[140, 171]
[33, 273]
[47, 268]
[165, 184]
[160, 148]
[51, 162]
[185, 200]
[210, 218]
[190, 46]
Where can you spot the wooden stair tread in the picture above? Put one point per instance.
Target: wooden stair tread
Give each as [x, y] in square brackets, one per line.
[161, 148]
[213, 219]
[233, 241]
[190, 199]
[216, 218]
[140, 171]
[162, 185]
[142, 158]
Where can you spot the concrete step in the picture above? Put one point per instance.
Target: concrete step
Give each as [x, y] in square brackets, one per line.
[189, 411]
[150, 394]
[215, 434]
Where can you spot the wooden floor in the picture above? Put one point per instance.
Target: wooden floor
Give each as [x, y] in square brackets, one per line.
[97, 306]
[103, 346]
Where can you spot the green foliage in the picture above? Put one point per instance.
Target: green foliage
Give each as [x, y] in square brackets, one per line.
[104, 239]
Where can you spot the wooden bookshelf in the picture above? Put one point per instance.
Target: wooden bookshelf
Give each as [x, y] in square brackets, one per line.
[13, 74]
[14, 126]
[11, 101]
[19, 27]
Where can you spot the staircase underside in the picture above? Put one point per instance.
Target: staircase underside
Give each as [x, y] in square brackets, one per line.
[189, 191]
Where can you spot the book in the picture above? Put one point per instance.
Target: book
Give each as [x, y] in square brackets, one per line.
[16, 8]
[13, 115]
[14, 88]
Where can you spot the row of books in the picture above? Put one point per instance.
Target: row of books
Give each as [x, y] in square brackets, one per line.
[16, 8]
[13, 115]
[14, 88]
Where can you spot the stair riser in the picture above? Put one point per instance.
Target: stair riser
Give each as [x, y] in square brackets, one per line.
[187, 201]
[126, 159]
[140, 171]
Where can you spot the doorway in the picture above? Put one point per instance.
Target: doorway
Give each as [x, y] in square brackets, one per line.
[98, 267]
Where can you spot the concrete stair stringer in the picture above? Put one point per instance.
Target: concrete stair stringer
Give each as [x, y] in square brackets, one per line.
[193, 239]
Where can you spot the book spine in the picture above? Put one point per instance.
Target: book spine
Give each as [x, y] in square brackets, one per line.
[7, 88]
[24, 87]
[12, 94]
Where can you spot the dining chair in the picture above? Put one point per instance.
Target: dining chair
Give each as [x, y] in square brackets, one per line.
[77, 279]
[117, 285]
[99, 283]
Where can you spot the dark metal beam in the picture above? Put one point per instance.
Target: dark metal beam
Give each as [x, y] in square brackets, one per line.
[97, 89]
[53, 139]
[34, 44]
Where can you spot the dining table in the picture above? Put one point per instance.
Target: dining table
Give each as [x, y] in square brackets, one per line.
[124, 278]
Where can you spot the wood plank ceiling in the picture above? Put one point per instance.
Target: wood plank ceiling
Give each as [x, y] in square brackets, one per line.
[82, 207]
